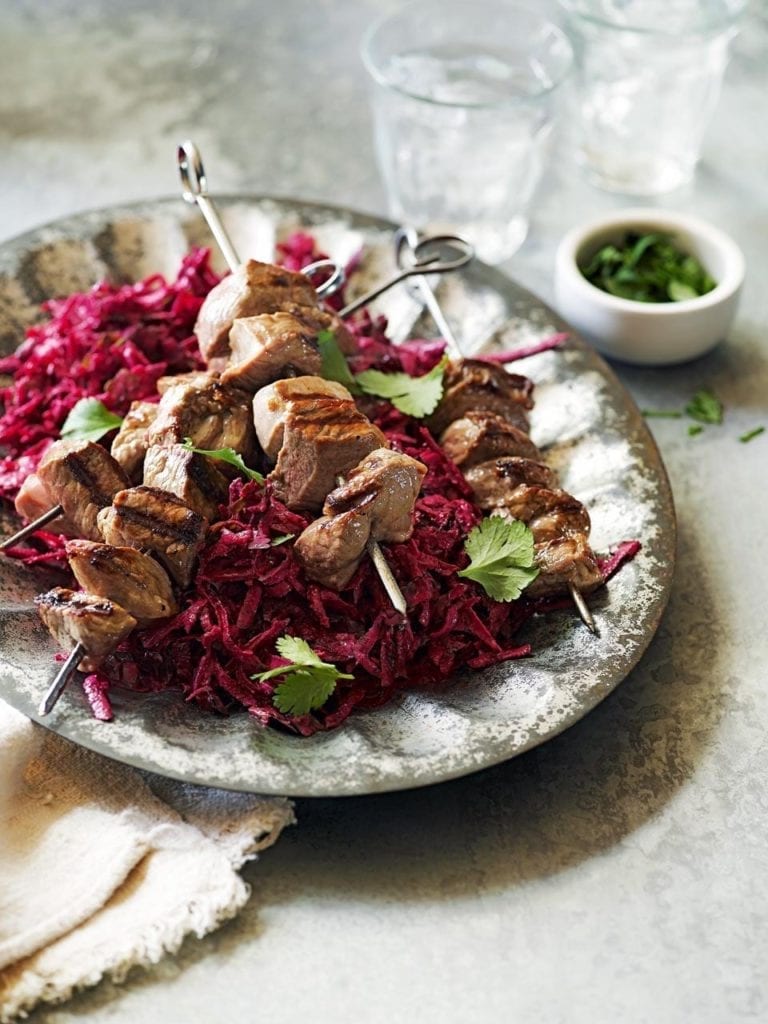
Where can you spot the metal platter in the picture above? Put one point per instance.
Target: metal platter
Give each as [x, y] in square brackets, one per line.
[585, 421]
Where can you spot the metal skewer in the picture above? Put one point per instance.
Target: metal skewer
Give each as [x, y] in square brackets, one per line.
[583, 609]
[61, 679]
[196, 191]
[36, 524]
[406, 241]
[429, 257]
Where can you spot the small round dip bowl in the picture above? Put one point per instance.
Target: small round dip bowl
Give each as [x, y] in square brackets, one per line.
[649, 333]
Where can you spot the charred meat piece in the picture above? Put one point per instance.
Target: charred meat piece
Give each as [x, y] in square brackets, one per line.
[376, 501]
[324, 320]
[330, 549]
[267, 347]
[191, 477]
[148, 518]
[82, 477]
[134, 580]
[130, 443]
[95, 622]
[481, 436]
[550, 514]
[387, 484]
[197, 378]
[34, 499]
[251, 289]
[324, 438]
[271, 405]
[492, 482]
[473, 385]
[214, 416]
[562, 562]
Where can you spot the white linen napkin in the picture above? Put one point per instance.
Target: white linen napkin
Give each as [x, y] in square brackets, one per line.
[98, 873]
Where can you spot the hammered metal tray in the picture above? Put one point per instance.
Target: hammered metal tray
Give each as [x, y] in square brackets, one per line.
[584, 419]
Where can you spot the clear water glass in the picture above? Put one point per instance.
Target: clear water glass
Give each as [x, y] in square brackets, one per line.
[464, 99]
[648, 77]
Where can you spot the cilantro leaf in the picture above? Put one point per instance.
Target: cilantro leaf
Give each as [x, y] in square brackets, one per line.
[501, 557]
[415, 396]
[695, 429]
[705, 407]
[277, 541]
[308, 681]
[755, 432]
[228, 455]
[334, 366]
[304, 690]
[88, 420]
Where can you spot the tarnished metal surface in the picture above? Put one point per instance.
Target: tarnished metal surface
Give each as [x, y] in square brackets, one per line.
[586, 422]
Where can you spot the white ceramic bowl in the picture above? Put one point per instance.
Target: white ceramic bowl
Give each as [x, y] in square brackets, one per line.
[649, 333]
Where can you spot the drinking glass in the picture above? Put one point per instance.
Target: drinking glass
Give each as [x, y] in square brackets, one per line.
[648, 76]
[464, 99]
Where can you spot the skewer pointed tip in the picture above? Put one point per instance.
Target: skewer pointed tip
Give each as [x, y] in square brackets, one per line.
[60, 680]
[30, 528]
[583, 609]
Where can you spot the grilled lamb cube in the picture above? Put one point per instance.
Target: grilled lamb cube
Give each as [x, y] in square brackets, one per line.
[550, 514]
[271, 405]
[98, 624]
[376, 501]
[267, 347]
[191, 477]
[196, 378]
[387, 484]
[82, 477]
[324, 320]
[34, 499]
[481, 436]
[213, 416]
[324, 438]
[132, 579]
[330, 549]
[130, 443]
[477, 386]
[562, 562]
[154, 520]
[251, 289]
[493, 482]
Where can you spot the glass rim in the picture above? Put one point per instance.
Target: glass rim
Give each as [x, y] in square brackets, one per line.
[381, 79]
[575, 9]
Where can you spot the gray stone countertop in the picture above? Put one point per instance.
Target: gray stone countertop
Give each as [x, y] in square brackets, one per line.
[617, 873]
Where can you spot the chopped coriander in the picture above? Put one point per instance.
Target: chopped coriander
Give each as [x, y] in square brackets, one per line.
[648, 268]
[89, 420]
[334, 365]
[705, 407]
[228, 455]
[672, 414]
[308, 682]
[277, 541]
[415, 396]
[694, 429]
[755, 432]
[501, 557]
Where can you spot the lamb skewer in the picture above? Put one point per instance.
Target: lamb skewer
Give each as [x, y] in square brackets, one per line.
[195, 187]
[502, 466]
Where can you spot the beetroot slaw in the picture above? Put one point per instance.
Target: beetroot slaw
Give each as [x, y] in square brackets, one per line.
[114, 343]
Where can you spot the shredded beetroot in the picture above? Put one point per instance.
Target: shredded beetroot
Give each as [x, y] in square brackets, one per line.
[113, 343]
[502, 358]
[96, 690]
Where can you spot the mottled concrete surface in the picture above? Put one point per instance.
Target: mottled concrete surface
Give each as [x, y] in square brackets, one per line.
[619, 872]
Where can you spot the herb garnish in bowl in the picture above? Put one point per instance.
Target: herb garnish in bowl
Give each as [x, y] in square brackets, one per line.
[648, 268]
